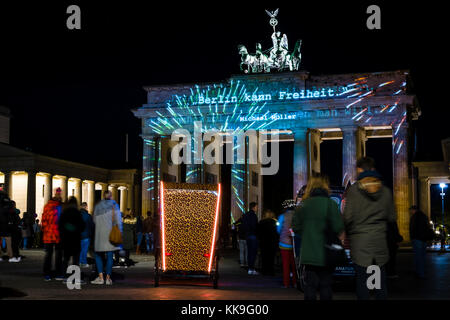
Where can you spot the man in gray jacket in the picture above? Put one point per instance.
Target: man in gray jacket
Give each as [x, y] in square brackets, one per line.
[368, 209]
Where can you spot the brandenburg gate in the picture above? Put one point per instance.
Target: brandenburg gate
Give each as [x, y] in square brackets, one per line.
[305, 108]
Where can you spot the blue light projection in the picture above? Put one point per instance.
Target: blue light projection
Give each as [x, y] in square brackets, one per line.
[220, 107]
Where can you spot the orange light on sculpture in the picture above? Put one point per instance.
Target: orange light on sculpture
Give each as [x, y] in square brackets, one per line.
[214, 232]
[163, 235]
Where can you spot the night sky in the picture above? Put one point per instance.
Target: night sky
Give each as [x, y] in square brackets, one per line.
[71, 91]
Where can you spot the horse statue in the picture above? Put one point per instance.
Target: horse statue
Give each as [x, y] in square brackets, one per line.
[293, 60]
[263, 62]
[247, 60]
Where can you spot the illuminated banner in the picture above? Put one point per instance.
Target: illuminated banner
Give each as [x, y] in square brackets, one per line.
[281, 95]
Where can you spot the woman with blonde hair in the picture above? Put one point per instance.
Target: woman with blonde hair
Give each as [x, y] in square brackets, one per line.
[313, 220]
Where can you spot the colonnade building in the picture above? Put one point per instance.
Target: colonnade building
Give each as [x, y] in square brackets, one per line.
[31, 180]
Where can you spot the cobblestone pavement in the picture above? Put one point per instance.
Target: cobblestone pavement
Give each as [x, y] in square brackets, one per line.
[24, 281]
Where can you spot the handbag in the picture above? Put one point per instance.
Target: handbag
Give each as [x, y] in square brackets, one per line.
[115, 236]
[334, 252]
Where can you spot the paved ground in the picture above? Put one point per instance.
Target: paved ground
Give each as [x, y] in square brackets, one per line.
[24, 281]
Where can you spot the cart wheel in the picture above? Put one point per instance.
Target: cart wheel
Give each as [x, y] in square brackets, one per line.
[156, 268]
[301, 278]
[216, 274]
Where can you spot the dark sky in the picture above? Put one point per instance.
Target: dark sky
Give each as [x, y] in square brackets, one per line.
[71, 92]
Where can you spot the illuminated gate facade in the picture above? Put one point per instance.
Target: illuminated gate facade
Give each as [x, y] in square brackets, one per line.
[305, 108]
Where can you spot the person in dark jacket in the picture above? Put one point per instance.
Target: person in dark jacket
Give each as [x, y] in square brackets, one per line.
[420, 232]
[27, 228]
[368, 210]
[15, 231]
[139, 233]
[393, 239]
[129, 226]
[317, 216]
[268, 242]
[147, 231]
[249, 225]
[86, 235]
[70, 226]
[5, 214]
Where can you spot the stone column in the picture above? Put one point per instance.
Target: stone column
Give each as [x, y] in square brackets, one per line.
[7, 182]
[361, 139]
[130, 198]
[149, 175]
[238, 203]
[313, 147]
[194, 170]
[424, 199]
[78, 190]
[31, 192]
[114, 192]
[348, 155]
[401, 180]
[300, 160]
[47, 188]
[91, 196]
[64, 188]
[123, 199]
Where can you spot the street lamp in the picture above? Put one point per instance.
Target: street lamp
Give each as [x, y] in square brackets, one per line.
[442, 186]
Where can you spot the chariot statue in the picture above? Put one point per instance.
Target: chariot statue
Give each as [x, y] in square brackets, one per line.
[276, 58]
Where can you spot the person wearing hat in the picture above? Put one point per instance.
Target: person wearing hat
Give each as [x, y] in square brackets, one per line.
[285, 244]
[420, 232]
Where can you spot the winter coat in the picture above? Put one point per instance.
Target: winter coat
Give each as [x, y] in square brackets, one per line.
[240, 229]
[50, 217]
[311, 221]
[27, 225]
[71, 225]
[249, 223]
[5, 209]
[368, 210]
[129, 226]
[147, 225]
[284, 224]
[88, 225]
[103, 220]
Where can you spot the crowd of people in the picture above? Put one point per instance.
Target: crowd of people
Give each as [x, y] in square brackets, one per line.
[15, 231]
[309, 226]
[69, 234]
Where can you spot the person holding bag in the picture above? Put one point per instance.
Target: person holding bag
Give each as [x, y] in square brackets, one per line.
[313, 221]
[108, 236]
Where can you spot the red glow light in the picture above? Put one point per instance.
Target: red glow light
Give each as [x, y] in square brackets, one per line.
[215, 229]
[163, 235]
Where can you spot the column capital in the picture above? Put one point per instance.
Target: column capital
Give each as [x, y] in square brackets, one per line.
[299, 133]
[349, 129]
